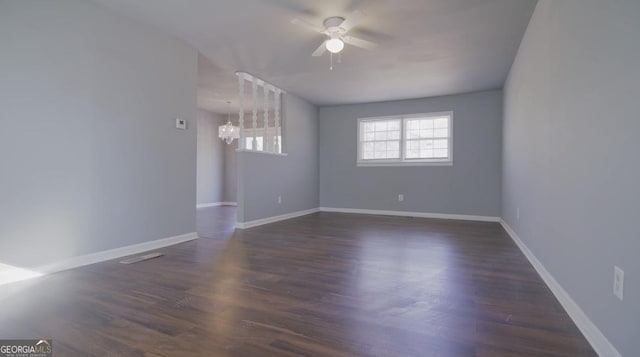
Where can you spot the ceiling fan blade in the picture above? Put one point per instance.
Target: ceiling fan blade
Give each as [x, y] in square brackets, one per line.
[307, 25]
[358, 42]
[320, 50]
[352, 20]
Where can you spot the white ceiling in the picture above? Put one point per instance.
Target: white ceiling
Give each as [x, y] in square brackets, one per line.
[427, 47]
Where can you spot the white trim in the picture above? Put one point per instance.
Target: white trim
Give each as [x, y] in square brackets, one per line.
[259, 222]
[261, 82]
[464, 217]
[409, 116]
[116, 253]
[216, 204]
[262, 221]
[596, 338]
[263, 152]
[11, 274]
[205, 205]
[402, 160]
[404, 163]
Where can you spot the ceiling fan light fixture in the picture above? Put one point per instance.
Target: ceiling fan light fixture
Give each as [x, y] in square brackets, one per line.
[334, 45]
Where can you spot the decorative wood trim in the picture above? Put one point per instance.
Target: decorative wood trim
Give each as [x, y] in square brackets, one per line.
[241, 141]
[596, 338]
[258, 80]
[267, 144]
[265, 119]
[276, 114]
[254, 89]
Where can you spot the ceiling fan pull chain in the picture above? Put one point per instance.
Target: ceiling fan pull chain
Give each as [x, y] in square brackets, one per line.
[331, 61]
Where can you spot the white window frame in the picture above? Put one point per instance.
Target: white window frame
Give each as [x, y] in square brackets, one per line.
[403, 161]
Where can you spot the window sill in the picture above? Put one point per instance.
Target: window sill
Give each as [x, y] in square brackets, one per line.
[405, 163]
[262, 152]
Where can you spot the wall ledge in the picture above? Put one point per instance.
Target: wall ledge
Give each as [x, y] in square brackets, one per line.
[262, 152]
[216, 204]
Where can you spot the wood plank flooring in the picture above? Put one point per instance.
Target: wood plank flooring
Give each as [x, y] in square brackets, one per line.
[325, 284]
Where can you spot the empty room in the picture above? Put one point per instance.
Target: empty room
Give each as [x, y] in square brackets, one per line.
[443, 178]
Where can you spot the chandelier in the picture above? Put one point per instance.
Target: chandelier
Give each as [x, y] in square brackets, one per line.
[228, 132]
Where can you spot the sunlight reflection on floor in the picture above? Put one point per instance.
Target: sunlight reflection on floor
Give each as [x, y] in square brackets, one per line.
[11, 274]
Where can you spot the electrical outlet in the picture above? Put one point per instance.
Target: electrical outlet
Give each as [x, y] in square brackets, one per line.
[518, 214]
[181, 124]
[618, 282]
[400, 197]
[279, 199]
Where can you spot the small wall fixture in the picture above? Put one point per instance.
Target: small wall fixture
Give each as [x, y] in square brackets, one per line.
[228, 132]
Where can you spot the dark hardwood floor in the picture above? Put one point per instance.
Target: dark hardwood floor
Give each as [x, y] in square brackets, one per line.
[325, 284]
[216, 222]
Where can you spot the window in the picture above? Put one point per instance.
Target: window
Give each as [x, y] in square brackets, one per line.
[420, 139]
[381, 139]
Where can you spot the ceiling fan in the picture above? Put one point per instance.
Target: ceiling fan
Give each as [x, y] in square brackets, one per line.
[336, 29]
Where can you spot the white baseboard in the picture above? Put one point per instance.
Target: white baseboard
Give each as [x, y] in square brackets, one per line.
[596, 338]
[216, 204]
[259, 222]
[10, 274]
[205, 205]
[464, 217]
[113, 253]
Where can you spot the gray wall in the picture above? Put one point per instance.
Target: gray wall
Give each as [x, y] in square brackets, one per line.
[263, 177]
[230, 172]
[571, 145]
[211, 159]
[471, 186]
[91, 157]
